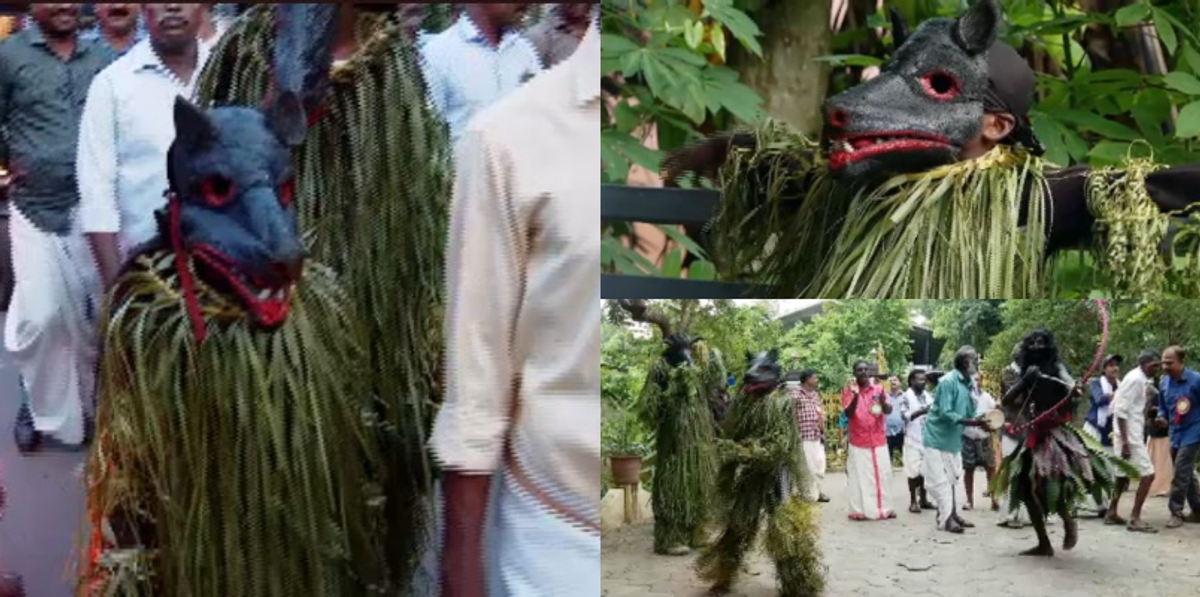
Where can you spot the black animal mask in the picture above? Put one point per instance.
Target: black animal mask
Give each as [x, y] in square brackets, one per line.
[230, 200]
[763, 373]
[1039, 349]
[679, 349]
[926, 104]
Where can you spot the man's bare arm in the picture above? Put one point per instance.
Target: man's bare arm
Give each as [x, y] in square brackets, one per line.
[466, 498]
[107, 255]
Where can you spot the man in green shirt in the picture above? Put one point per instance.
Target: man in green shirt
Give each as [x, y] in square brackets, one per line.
[952, 409]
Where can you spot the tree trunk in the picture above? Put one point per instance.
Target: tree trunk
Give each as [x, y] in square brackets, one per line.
[791, 83]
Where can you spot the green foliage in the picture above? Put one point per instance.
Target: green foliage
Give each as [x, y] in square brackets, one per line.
[848, 331]
[672, 62]
[963, 322]
[623, 433]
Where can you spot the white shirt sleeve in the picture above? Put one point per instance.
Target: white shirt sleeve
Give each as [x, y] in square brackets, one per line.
[1125, 399]
[485, 272]
[435, 78]
[96, 159]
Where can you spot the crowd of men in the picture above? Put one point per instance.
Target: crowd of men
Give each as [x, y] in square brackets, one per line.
[937, 427]
[87, 119]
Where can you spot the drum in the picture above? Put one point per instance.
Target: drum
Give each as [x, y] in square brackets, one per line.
[994, 419]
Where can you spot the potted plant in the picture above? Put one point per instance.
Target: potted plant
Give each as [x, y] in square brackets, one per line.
[626, 441]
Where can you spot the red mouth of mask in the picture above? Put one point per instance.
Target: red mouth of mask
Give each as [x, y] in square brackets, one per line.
[848, 149]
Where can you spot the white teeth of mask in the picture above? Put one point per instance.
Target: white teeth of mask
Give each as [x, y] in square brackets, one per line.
[263, 294]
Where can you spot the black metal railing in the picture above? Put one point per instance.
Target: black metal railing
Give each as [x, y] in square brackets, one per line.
[679, 207]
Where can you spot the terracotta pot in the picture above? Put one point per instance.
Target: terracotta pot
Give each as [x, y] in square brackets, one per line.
[626, 470]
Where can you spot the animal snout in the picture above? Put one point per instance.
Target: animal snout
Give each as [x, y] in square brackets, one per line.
[290, 268]
[838, 118]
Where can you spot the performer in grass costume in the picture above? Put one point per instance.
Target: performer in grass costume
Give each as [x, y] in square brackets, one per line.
[233, 456]
[763, 475]
[929, 183]
[1055, 462]
[372, 192]
[676, 401]
[680, 400]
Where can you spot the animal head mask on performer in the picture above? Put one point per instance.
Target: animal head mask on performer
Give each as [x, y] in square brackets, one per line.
[950, 92]
[230, 177]
[763, 372]
[679, 349]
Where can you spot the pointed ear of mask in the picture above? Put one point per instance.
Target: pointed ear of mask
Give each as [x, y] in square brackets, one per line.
[749, 357]
[773, 354]
[976, 29]
[287, 120]
[193, 129]
[899, 28]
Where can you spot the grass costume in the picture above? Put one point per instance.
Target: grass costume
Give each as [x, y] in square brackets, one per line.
[884, 207]
[676, 401]
[373, 183]
[1055, 462]
[762, 476]
[234, 456]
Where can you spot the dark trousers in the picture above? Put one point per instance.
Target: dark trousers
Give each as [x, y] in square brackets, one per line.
[1184, 484]
[895, 445]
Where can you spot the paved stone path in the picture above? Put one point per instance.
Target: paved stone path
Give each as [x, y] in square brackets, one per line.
[43, 524]
[906, 557]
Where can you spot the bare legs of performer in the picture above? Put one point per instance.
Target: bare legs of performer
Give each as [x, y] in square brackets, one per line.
[1037, 516]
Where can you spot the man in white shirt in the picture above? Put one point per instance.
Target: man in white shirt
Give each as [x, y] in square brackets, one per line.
[523, 326]
[1129, 412]
[914, 405]
[478, 60]
[977, 447]
[127, 128]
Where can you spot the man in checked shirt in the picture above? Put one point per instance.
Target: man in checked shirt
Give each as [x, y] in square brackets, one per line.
[810, 419]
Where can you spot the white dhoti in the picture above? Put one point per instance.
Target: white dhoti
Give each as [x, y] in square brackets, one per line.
[814, 458]
[942, 470]
[534, 553]
[49, 330]
[912, 459]
[869, 475]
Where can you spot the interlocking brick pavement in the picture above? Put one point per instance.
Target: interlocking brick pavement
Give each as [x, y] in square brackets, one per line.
[906, 557]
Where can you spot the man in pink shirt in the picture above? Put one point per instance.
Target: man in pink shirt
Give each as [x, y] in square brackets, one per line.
[867, 464]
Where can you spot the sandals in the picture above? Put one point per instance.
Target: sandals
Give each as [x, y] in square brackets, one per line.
[914, 508]
[1175, 522]
[1114, 518]
[1138, 526]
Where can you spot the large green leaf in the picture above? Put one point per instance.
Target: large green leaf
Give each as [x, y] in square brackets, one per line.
[1151, 109]
[722, 85]
[850, 60]
[1132, 14]
[1192, 57]
[1166, 31]
[1188, 124]
[1184, 82]
[1050, 132]
[1097, 123]
[739, 23]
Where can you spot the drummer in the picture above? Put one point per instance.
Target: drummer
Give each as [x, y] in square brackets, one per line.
[941, 462]
[977, 446]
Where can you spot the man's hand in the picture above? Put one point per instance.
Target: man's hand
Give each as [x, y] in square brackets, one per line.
[1125, 452]
[1160, 423]
[465, 498]
[1031, 373]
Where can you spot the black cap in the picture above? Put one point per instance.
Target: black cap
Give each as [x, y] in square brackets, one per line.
[1010, 91]
[1012, 79]
[1112, 357]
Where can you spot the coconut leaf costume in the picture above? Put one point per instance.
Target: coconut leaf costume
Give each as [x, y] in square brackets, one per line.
[883, 208]
[762, 475]
[676, 401]
[1055, 463]
[235, 454]
[373, 183]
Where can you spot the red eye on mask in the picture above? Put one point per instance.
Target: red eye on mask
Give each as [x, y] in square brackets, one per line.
[941, 86]
[217, 190]
[285, 192]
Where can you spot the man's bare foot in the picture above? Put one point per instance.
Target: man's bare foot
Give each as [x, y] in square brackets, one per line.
[963, 523]
[1070, 533]
[719, 589]
[1114, 518]
[969, 506]
[1041, 550]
